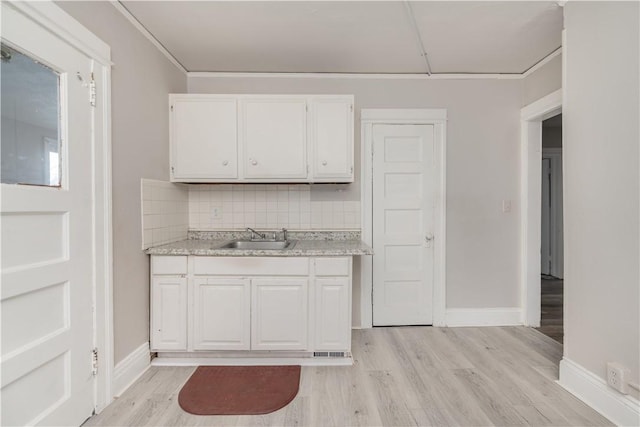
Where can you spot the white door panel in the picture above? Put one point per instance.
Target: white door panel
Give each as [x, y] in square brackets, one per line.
[403, 203]
[48, 264]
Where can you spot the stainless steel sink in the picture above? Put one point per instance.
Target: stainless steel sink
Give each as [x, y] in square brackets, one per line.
[260, 244]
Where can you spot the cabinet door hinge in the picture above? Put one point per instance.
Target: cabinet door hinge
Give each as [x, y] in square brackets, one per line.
[172, 108]
[94, 362]
[92, 91]
[351, 107]
[306, 107]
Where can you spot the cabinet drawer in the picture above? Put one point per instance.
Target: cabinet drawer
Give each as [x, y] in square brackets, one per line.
[251, 266]
[333, 266]
[168, 264]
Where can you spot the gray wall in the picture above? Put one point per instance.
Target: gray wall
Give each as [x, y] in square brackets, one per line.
[141, 79]
[601, 172]
[543, 81]
[482, 169]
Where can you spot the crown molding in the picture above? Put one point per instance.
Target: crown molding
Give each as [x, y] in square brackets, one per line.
[138, 25]
[535, 67]
[407, 76]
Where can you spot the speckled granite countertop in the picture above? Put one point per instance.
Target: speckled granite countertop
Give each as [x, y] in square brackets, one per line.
[307, 244]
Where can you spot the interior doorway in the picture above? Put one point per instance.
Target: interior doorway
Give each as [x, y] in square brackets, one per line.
[531, 118]
[430, 125]
[551, 236]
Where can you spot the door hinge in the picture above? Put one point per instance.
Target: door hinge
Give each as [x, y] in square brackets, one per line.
[352, 170]
[351, 107]
[92, 91]
[94, 362]
[306, 107]
[172, 108]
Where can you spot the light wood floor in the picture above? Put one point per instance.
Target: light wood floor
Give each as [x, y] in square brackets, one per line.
[401, 376]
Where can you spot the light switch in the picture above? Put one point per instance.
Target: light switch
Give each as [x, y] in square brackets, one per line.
[506, 206]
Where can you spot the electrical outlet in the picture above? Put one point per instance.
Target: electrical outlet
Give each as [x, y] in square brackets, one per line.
[216, 213]
[617, 377]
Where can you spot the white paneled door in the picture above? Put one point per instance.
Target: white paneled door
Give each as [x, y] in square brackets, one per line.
[403, 218]
[48, 265]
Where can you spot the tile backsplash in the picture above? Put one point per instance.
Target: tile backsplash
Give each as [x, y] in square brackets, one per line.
[165, 212]
[237, 206]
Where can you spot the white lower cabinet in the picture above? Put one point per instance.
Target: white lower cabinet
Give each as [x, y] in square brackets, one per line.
[332, 314]
[169, 313]
[221, 313]
[279, 315]
[251, 304]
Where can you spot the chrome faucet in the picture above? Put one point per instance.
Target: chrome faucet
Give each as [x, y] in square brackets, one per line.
[255, 233]
[284, 234]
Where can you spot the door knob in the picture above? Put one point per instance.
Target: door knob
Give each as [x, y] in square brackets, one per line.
[324, 163]
[254, 162]
[225, 163]
[428, 237]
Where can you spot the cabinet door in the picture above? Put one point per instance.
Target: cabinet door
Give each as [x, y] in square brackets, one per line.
[203, 138]
[221, 314]
[168, 313]
[273, 137]
[332, 315]
[332, 138]
[279, 314]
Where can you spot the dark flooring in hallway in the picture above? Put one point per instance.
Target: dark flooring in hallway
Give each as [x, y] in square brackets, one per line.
[551, 322]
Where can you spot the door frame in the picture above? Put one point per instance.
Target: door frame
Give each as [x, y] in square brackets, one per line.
[437, 118]
[531, 117]
[61, 24]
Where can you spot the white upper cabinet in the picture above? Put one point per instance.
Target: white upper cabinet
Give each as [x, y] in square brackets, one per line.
[261, 138]
[332, 138]
[204, 143]
[273, 134]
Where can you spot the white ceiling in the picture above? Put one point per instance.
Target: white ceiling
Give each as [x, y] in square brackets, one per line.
[353, 37]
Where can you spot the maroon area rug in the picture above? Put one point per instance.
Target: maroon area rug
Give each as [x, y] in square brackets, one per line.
[239, 390]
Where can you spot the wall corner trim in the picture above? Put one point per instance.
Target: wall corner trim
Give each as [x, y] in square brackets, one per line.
[129, 369]
[621, 409]
[500, 316]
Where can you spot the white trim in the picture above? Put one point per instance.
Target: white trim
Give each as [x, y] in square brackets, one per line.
[375, 76]
[63, 25]
[143, 30]
[251, 361]
[531, 117]
[438, 118]
[535, 67]
[129, 369]
[622, 410]
[483, 317]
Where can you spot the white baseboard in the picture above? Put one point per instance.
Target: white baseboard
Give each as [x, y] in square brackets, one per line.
[621, 409]
[131, 368]
[483, 316]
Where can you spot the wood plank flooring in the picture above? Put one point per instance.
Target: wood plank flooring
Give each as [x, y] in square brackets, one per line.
[551, 308]
[402, 376]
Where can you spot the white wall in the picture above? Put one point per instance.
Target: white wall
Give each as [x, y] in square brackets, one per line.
[601, 172]
[141, 79]
[482, 168]
[543, 81]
